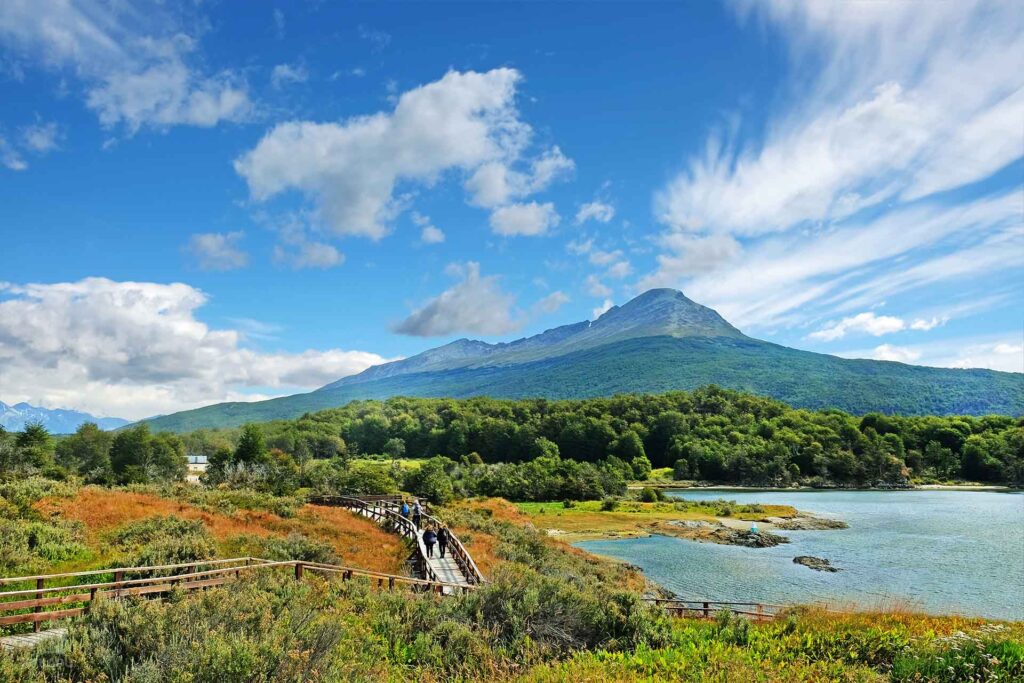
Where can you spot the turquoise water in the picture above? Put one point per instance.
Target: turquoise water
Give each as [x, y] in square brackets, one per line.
[936, 551]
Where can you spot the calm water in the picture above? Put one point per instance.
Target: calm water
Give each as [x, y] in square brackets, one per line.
[938, 551]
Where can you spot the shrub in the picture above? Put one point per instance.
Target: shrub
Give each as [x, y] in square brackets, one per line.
[609, 504]
[294, 547]
[164, 540]
[649, 494]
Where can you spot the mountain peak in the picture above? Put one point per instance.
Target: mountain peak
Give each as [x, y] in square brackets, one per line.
[666, 311]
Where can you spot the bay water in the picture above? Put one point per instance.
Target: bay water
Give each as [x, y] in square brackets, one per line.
[938, 551]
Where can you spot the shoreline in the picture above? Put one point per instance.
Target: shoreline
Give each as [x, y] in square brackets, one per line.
[682, 486]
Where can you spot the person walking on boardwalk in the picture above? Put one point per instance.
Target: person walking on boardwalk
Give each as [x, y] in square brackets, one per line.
[443, 537]
[417, 513]
[429, 539]
[405, 509]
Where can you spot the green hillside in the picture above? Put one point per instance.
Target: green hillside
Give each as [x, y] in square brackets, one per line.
[656, 364]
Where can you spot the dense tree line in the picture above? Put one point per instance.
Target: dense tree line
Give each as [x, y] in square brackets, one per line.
[710, 434]
[133, 455]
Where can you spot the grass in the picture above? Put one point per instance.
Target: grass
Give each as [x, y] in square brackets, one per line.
[632, 518]
[405, 464]
[357, 541]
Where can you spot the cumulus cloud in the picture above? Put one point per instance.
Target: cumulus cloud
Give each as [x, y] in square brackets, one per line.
[139, 68]
[303, 253]
[895, 353]
[40, 137]
[496, 183]
[868, 323]
[287, 74]
[10, 157]
[595, 287]
[429, 233]
[596, 210]
[528, 219]
[218, 250]
[135, 349]
[893, 104]
[475, 304]
[602, 309]
[348, 170]
[552, 302]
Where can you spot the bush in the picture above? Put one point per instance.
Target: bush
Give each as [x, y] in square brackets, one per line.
[649, 494]
[163, 540]
[294, 547]
[609, 504]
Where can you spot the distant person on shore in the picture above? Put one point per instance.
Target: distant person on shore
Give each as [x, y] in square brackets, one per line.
[429, 539]
[405, 509]
[417, 514]
[443, 537]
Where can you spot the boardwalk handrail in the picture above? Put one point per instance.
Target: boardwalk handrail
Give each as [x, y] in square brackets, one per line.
[386, 507]
[708, 608]
[13, 602]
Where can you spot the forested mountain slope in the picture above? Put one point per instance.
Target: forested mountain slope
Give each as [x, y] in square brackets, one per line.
[659, 341]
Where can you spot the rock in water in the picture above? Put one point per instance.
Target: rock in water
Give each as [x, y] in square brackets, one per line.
[816, 563]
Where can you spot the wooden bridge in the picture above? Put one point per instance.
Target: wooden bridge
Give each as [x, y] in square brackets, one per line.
[52, 597]
[457, 567]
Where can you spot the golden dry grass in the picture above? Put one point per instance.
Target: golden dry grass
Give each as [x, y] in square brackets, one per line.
[358, 541]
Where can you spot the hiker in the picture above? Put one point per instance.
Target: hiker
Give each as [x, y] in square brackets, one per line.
[416, 515]
[429, 539]
[405, 509]
[443, 537]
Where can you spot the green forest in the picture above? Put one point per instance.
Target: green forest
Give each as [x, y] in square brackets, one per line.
[548, 450]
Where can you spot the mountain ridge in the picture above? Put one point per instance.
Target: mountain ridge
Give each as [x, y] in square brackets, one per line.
[56, 420]
[657, 342]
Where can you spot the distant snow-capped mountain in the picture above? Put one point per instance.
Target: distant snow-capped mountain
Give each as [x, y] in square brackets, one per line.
[57, 421]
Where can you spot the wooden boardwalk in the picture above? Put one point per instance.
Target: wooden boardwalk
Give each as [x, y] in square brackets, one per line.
[25, 640]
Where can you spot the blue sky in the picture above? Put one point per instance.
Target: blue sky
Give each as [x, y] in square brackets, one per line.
[227, 200]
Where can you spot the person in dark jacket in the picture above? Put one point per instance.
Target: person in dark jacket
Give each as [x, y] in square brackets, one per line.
[443, 538]
[416, 514]
[429, 539]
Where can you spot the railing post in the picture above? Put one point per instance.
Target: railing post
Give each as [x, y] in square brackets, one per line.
[707, 611]
[760, 612]
[92, 599]
[118, 578]
[298, 571]
[391, 583]
[39, 608]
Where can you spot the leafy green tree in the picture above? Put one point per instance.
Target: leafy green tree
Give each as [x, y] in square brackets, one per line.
[130, 454]
[34, 445]
[251, 446]
[87, 452]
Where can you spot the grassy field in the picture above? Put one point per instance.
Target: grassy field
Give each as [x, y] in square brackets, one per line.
[632, 518]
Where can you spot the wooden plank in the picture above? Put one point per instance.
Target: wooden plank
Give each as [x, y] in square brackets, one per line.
[35, 617]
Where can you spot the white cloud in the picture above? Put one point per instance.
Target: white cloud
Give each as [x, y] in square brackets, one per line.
[601, 310]
[1005, 356]
[138, 66]
[912, 98]
[834, 207]
[579, 247]
[552, 302]
[287, 74]
[595, 210]
[40, 137]
[135, 349]
[895, 353]
[868, 323]
[495, 183]
[529, 219]
[348, 170]
[602, 258]
[218, 250]
[10, 157]
[303, 253]
[619, 270]
[596, 288]
[429, 233]
[925, 324]
[476, 304]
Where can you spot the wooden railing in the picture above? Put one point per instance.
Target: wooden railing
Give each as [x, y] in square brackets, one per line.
[386, 510]
[708, 608]
[72, 599]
